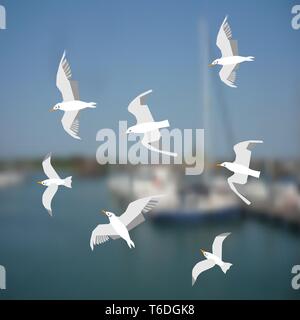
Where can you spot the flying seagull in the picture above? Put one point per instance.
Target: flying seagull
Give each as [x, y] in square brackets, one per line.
[230, 59]
[212, 259]
[2, 278]
[146, 124]
[52, 183]
[240, 167]
[119, 226]
[71, 103]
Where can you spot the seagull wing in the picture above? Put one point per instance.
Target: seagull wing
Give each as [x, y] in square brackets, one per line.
[133, 216]
[225, 43]
[67, 87]
[48, 169]
[101, 234]
[217, 244]
[228, 74]
[242, 154]
[2, 278]
[70, 122]
[201, 267]
[48, 196]
[239, 179]
[140, 109]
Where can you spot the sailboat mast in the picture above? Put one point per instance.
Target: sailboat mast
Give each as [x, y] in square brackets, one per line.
[204, 45]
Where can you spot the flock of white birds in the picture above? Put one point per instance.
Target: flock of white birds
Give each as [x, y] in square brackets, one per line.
[119, 226]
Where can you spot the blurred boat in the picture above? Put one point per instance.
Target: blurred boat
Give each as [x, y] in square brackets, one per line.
[146, 181]
[182, 200]
[203, 201]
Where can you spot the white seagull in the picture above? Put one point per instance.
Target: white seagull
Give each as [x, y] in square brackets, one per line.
[146, 124]
[119, 226]
[240, 167]
[2, 278]
[230, 59]
[71, 103]
[212, 259]
[52, 183]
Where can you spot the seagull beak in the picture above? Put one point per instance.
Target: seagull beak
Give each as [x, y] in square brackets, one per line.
[211, 65]
[39, 182]
[51, 110]
[218, 165]
[103, 212]
[202, 251]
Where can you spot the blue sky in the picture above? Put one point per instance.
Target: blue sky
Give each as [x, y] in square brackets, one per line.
[118, 49]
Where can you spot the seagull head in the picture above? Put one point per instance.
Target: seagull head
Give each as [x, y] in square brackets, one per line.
[55, 108]
[130, 130]
[107, 213]
[223, 164]
[214, 63]
[204, 253]
[43, 183]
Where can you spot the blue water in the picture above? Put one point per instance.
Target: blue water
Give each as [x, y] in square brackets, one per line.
[50, 258]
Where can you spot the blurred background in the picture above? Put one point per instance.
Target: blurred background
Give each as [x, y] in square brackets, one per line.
[118, 49]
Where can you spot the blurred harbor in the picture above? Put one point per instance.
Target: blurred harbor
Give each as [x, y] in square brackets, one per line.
[275, 196]
[50, 258]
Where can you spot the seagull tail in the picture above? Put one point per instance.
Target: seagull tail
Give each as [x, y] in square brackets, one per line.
[163, 124]
[92, 105]
[225, 267]
[254, 173]
[68, 182]
[250, 58]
